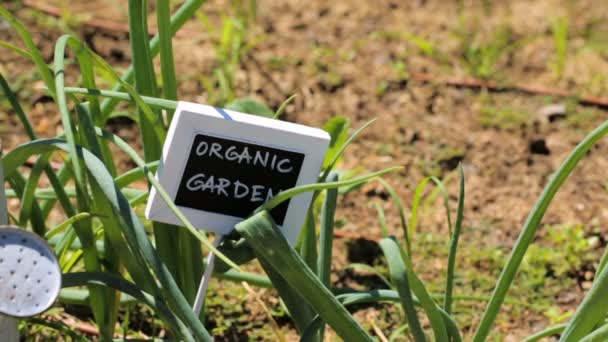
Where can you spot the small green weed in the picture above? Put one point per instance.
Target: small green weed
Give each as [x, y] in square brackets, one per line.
[560, 41]
[505, 117]
[481, 57]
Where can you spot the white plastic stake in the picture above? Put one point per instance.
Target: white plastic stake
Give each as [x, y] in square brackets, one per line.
[199, 301]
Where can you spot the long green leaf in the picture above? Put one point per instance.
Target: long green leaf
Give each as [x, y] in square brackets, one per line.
[401, 210]
[153, 102]
[592, 310]
[598, 335]
[550, 331]
[336, 157]
[308, 241]
[287, 194]
[145, 79]
[326, 234]
[28, 198]
[529, 230]
[37, 57]
[270, 245]
[65, 224]
[449, 286]
[326, 238]
[167, 68]
[399, 277]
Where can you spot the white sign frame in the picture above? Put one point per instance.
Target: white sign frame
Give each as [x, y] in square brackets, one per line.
[192, 118]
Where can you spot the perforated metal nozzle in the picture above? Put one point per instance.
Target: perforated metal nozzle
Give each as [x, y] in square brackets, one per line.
[30, 277]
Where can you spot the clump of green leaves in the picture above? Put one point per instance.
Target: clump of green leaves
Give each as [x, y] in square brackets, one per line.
[481, 57]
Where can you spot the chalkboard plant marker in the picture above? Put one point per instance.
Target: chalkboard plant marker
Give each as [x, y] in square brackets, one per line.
[219, 165]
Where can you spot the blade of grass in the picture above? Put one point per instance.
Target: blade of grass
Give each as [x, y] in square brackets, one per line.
[590, 312]
[598, 335]
[14, 102]
[17, 50]
[68, 126]
[37, 58]
[382, 219]
[529, 230]
[399, 203]
[449, 286]
[550, 331]
[167, 67]
[145, 79]
[153, 102]
[28, 198]
[339, 153]
[65, 224]
[287, 194]
[271, 246]
[326, 238]
[326, 234]
[284, 105]
[308, 242]
[399, 277]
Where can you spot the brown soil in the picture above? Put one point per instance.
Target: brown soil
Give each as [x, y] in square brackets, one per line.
[327, 54]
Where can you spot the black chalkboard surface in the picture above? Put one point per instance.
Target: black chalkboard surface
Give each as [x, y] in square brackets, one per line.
[234, 178]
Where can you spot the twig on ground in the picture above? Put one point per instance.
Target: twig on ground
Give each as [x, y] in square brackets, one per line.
[80, 326]
[378, 332]
[475, 83]
[267, 76]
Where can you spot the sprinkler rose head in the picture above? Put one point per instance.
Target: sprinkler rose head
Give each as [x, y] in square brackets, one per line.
[30, 277]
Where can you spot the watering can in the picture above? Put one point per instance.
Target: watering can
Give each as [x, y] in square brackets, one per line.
[30, 278]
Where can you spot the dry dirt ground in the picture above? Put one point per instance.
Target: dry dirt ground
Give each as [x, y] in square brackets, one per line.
[356, 59]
